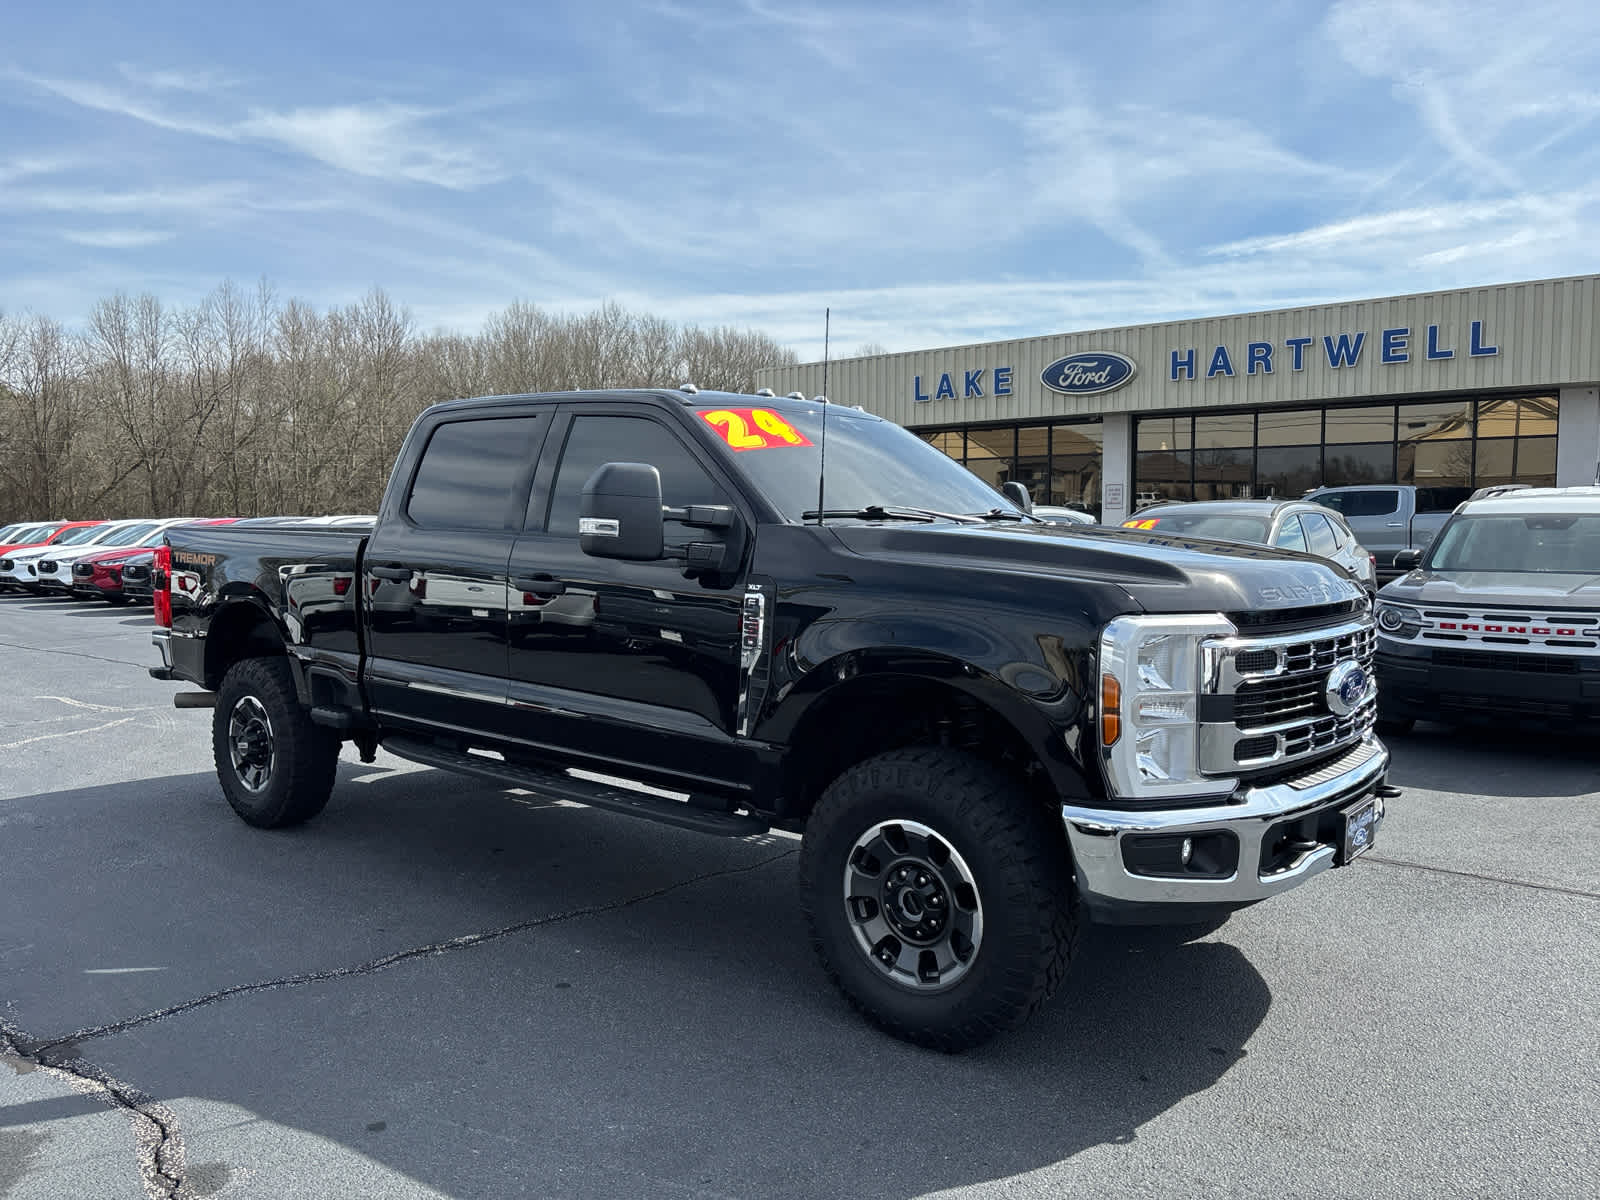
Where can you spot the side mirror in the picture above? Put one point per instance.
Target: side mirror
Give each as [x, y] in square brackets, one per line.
[1407, 560]
[619, 513]
[1017, 493]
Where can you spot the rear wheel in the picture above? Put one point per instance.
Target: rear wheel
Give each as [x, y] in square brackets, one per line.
[939, 900]
[276, 767]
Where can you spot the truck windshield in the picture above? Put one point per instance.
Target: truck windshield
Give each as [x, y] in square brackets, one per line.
[1544, 543]
[870, 463]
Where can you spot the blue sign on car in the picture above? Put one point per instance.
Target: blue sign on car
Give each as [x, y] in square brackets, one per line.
[1089, 373]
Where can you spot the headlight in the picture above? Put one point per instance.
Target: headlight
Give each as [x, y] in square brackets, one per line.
[1398, 621]
[1149, 702]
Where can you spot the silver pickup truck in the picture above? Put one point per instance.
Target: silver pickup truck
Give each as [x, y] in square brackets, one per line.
[1388, 518]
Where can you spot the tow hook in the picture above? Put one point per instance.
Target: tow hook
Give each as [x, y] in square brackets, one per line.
[1387, 791]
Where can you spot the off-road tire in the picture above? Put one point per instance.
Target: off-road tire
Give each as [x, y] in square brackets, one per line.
[303, 757]
[1020, 870]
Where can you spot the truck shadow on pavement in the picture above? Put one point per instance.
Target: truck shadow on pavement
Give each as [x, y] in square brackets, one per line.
[665, 1036]
[1485, 762]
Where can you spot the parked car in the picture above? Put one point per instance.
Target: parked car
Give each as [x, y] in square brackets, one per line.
[48, 569]
[97, 575]
[136, 569]
[30, 535]
[54, 568]
[1389, 518]
[1498, 621]
[986, 728]
[1058, 515]
[1286, 524]
[14, 576]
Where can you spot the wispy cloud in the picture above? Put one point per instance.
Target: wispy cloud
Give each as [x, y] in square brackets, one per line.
[383, 141]
[119, 239]
[185, 80]
[378, 139]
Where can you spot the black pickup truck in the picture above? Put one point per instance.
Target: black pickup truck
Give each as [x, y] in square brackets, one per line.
[987, 729]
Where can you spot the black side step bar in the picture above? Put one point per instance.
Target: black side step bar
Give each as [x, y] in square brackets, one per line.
[558, 785]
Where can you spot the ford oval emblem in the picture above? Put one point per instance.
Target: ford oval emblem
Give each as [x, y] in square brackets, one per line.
[1088, 373]
[1346, 688]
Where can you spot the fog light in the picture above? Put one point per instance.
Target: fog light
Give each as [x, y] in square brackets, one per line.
[1187, 852]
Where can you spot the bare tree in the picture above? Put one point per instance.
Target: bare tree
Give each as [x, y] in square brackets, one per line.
[245, 404]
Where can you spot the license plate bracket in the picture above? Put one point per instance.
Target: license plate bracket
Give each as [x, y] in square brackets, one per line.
[1360, 828]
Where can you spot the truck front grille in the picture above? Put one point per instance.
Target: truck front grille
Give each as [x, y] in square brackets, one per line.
[1268, 702]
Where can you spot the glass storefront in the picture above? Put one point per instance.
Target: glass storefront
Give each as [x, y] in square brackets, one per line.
[1059, 463]
[1460, 443]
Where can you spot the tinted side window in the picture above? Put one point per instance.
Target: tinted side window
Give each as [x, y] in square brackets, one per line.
[1290, 537]
[1362, 504]
[595, 441]
[1319, 533]
[467, 472]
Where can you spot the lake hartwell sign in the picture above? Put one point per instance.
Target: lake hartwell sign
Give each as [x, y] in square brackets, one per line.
[1095, 372]
[1341, 350]
[1084, 374]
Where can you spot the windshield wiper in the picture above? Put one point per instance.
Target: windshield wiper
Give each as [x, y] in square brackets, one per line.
[879, 512]
[1003, 514]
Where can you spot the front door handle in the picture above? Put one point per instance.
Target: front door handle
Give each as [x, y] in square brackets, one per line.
[397, 574]
[1397, 524]
[540, 585]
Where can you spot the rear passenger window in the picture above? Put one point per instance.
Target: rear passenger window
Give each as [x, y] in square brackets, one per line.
[468, 471]
[1290, 537]
[1319, 534]
[594, 441]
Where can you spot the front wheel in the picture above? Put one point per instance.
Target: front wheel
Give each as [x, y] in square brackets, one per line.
[276, 767]
[939, 899]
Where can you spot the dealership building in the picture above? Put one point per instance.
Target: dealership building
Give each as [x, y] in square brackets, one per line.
[1443, 389]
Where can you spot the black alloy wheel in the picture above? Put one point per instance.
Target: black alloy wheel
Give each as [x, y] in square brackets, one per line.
[276, 767]
[939, 898]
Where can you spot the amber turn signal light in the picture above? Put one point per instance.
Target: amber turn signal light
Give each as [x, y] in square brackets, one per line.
[1110, 710]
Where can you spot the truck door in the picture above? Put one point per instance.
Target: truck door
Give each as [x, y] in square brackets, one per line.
[632, 663]
[435, 574]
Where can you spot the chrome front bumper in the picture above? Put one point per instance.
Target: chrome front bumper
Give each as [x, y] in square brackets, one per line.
[1097, 836]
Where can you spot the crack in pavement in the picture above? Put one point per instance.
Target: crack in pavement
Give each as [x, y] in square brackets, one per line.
[121, 662]
[1375, 860]
[158, 1142]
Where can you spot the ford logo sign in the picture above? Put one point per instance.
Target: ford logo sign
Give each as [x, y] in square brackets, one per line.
[1346, 688]
[1088, 373]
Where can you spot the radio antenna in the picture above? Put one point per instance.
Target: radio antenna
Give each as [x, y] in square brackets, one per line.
[822, 440]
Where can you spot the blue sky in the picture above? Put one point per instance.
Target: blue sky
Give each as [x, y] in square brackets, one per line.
[937, 173]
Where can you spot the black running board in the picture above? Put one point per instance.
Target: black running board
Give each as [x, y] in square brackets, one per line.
[558, 785]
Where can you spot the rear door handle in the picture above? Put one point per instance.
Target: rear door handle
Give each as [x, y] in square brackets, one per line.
[540, 585]
[1397, 524]
[397, 574]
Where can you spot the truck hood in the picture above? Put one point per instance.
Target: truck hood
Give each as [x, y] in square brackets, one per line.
[1495, 589]
[1162, 573]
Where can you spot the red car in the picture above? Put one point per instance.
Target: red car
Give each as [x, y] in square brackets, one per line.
[99, 576]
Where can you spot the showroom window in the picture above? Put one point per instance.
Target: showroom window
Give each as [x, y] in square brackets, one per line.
[1445, 446]
[1059, 462]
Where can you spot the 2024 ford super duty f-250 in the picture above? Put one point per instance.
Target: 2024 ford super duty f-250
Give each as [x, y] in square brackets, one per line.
[987, 729]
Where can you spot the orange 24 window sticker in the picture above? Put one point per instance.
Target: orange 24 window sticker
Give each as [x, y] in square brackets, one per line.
[1142, 523]
[753, 428]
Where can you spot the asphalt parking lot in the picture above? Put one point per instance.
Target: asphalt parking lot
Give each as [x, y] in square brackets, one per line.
[440, 988]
